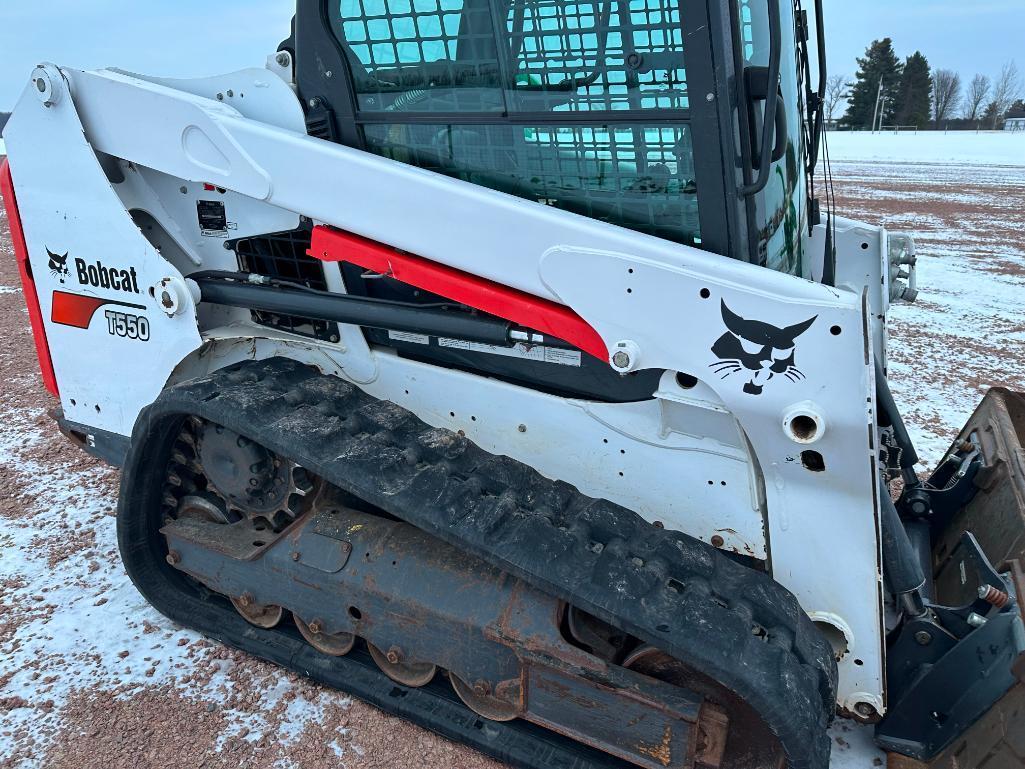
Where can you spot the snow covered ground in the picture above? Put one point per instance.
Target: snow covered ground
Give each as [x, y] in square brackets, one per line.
[985, 148]
[966, 331]
[90, 676]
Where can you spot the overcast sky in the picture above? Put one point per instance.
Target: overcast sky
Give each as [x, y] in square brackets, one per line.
[203, 37]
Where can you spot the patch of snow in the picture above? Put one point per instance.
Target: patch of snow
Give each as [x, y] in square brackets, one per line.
[55, 651]
[994, 148]
[854, 746]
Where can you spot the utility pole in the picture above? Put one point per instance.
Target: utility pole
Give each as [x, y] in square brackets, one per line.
[879, 96]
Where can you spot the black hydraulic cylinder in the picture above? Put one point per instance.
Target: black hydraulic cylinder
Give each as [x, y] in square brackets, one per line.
[357, 310]
[919, 534]
[901, 564]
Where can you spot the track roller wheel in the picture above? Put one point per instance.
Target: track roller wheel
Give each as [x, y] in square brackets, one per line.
[747, 741]
[255, 614]
[480, 700]
[394, 665]
[337, 645]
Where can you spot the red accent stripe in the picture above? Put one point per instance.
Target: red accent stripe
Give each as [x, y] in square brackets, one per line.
[28, 284]
[75, 309]
[525, 309]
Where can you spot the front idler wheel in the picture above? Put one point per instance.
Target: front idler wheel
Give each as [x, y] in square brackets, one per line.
[394, 665]
[264, 617]
[334, 645]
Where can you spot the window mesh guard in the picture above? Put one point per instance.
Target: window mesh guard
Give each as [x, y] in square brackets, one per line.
[444, 55]
[634, 176]
[283, 255]
[553, 119]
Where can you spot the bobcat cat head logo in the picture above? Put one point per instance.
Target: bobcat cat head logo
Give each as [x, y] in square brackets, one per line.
[58, 265]
[758, 350]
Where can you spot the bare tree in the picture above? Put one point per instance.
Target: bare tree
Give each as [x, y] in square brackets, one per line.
[978, 91]
[1005, 92]
[836, 92]
[946, 94]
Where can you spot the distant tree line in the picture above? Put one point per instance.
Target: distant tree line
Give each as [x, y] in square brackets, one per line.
[889, 92]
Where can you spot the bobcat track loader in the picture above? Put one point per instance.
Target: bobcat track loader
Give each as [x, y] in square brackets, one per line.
[495, 361]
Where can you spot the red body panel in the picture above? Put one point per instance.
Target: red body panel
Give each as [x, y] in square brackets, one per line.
[28, 284]
[525, 309]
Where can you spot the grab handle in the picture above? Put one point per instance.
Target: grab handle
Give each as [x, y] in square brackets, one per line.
[772, 103]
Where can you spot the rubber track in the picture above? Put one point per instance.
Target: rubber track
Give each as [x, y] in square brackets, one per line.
[734, 624]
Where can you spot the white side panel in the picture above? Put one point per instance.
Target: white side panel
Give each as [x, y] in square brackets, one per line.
[68, 207]
[671, 317]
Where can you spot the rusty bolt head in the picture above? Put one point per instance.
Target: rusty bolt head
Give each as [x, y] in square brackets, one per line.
[316, 627]
[174, 558]
[246, 599]
[718, 541]
[394, 655]
[482, 688]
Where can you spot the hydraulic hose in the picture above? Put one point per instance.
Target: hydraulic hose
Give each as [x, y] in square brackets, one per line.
[888, 408]
[359, 311]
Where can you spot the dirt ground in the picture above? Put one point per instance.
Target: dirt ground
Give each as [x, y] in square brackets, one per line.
[91, 677]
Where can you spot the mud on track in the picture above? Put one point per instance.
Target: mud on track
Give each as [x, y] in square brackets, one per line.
[90, 676]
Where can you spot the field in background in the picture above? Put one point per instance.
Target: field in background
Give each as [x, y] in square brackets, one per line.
[984, 148]
[91, 677]
[965, 206]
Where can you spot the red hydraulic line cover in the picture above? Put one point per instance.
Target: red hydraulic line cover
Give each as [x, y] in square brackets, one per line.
[28, 284]
[527, 310]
